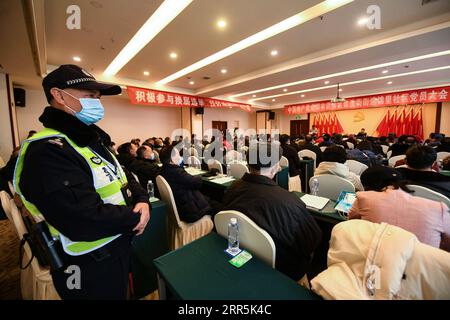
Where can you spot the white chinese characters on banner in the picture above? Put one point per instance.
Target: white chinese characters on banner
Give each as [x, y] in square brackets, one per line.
[390, 99]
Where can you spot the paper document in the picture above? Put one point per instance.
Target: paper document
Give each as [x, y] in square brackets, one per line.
[314, 201]
[194, 171]
[222, 180]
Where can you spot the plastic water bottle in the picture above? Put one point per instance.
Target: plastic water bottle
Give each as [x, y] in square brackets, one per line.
[229, 170]
[150, 189]
[233, 236]
[315, 187]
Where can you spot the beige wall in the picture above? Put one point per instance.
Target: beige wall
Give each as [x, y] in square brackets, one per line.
[6, 138]
[445, 118]
[124, 121]
[283, 121]
[233, 117]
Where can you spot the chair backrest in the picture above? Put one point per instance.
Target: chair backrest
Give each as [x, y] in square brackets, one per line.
[215, 164]
[385, 149]
[394, 159]
[193, 152]
[167, 196]
[442, 155]
[323, 148]
[135, 177]
[350, 145]
[238, 169]
[331, 186]
[309, 154]
[356, 167]
[423, 192]
[6, 203]
[194, 162]
[388, 153]
[17, 220]
[251, 236]
[11, 188]
[284, 162]
[233, 155]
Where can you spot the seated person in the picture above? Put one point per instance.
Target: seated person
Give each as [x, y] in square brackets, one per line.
[444, 146]
[420, 161]
[334, 158]
[446, 163]
[326, 141]
[191, 203]
[282, 214]
[337, 140]
[146, 153]
[402, 145]
[309, 145]
[388, 200]
[362, 134]
[144, 170]
[291, 154]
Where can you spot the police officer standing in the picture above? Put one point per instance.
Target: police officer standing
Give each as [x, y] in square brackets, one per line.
[67, 176]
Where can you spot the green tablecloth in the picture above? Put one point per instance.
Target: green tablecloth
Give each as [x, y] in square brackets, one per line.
[327, 214]
[307, 167]
[200, 271]
[146, 247]
[445, 173]
[283, 178]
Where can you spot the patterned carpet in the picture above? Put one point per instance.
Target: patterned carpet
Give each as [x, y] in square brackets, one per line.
[9, 262]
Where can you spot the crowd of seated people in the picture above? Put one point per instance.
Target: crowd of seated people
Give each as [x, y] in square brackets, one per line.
[382, 192]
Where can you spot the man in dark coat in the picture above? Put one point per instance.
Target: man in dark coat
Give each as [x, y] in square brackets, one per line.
[191, 203]
[282, 214]
[291, 154]
[420, 161]
[309, 145]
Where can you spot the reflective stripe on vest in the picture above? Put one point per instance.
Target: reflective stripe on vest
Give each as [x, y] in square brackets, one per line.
[107, 184]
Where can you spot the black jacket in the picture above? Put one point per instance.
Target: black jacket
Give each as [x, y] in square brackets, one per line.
[283, 215]
[144, 170]
[191, 203]
[294, 161]
[315, 149]
[427, 179]
[59, 182]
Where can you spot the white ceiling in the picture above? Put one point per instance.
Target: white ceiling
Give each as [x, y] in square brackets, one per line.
[316, 48]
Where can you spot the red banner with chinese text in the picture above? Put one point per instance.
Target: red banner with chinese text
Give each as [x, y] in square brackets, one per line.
[149, 97]
[429, 95]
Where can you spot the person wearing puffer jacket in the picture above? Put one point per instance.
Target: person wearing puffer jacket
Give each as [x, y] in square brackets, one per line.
[371, 261]
[334, 158]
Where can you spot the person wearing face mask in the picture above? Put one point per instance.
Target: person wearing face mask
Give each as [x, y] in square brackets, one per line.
[67, 176]
[282, 214]
[191, 203]
[147, 154]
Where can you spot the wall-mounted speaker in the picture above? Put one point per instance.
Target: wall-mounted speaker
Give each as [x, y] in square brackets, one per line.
[200, 110]
[19, 97]
[271, 115]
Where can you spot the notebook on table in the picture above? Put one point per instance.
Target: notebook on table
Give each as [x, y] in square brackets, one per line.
[314, 202]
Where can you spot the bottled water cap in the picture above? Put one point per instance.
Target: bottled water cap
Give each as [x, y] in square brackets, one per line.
[233, 220]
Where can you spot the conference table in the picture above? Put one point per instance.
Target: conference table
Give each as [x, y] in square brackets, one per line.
[445, 172]
[200, 271]
[328, 214]
[151, 244]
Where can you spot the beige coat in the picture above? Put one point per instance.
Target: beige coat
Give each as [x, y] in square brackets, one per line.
[379, 261]
[340, 170]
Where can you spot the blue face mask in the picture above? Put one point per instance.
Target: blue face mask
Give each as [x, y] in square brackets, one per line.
[92, 110]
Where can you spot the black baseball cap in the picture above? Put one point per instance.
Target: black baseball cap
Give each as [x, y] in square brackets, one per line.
[72, 76]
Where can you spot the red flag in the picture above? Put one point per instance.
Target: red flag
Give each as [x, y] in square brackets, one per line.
[338, 125]
[382, 128]
[408, 122]
[420, 124]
